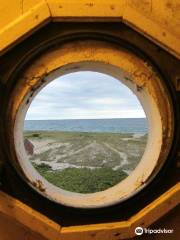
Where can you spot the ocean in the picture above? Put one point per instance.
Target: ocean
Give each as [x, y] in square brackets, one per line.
[115, 125]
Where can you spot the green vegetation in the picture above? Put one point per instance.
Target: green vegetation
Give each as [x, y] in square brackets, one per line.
[82, 180]
[85, 162]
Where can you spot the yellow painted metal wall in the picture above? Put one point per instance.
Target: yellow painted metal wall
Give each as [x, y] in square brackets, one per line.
[20, 220]
[157, 20]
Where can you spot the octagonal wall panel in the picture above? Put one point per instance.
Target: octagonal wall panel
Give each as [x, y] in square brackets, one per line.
[20, 18]
[26, 222]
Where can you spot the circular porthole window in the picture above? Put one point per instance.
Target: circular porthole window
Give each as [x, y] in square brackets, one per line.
[92, 124]
[85, 132]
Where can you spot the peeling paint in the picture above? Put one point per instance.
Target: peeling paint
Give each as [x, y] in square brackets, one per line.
[39, 185]
[133, 71]
[89, 4]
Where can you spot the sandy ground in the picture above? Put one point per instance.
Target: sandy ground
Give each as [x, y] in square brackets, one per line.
[79, 150]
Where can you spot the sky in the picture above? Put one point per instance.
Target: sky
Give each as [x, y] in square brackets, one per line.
[85, 95]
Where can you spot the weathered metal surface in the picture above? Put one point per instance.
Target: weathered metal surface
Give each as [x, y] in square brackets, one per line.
[160, 21]
[25, 223]
[20, 214]
[13, 230]
[125, 66]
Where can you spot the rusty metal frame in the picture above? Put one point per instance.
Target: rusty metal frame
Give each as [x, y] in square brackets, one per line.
[122, 64]
[19, 19]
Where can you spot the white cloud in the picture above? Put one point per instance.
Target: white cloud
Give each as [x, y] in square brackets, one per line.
[85, 95]
[107, 101]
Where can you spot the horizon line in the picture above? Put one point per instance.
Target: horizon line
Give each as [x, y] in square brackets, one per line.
[84, 119]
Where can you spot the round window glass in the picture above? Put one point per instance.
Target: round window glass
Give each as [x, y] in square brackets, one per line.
[79, 117]
[85, 132]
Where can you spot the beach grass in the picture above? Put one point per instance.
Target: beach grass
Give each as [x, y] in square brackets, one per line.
[82, 180]
[85, 162]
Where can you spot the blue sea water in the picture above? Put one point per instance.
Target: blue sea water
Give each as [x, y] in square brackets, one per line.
[116, 125]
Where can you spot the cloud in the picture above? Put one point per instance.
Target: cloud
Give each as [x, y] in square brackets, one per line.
[85, 95]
